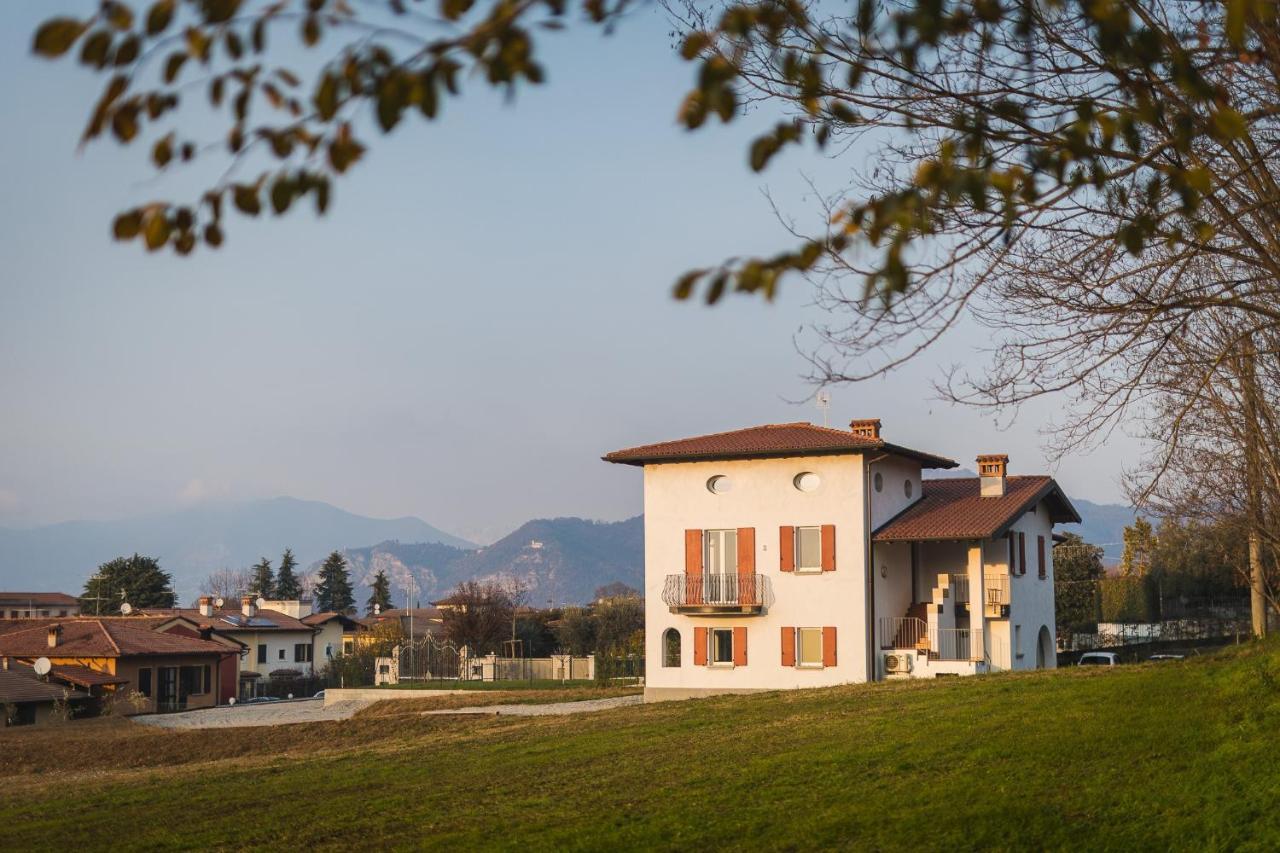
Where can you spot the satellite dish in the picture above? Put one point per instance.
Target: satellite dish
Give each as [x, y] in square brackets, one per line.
[126, 608]
[42, 666]
[218, 602]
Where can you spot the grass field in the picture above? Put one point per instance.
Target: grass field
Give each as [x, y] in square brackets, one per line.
[1158, 756]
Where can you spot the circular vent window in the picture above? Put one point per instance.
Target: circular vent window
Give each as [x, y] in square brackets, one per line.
[907, 488]
[719, 484]
[807, 481]
[879, 481]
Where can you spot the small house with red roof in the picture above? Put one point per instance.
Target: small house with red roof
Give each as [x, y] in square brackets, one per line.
[793, 555]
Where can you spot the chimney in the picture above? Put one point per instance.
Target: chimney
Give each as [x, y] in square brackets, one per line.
[248, 606]
[866, 428]
[206, 605]
[992, 470]
[5, 664]
[55, 633]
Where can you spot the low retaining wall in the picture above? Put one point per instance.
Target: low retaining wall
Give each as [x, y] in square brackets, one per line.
[333, 695]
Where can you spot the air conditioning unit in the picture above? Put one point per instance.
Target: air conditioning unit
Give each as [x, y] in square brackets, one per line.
[897, 663]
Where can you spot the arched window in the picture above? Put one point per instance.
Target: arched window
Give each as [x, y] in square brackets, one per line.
[671, 647]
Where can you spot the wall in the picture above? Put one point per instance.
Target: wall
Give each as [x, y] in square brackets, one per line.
[330, 634]
[128, 667]
[892, 498]
[762, 496]
[275, 642]
[1031, 599]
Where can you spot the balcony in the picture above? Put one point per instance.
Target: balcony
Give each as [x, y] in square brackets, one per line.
[715, 595]
[996, 596]
[914, 634]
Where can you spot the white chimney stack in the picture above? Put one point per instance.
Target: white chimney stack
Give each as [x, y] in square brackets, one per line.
[55, 633]
[248, 606]
[992, 472]
[206, 605]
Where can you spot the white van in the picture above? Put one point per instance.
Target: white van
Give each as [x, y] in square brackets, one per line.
[1099, 659]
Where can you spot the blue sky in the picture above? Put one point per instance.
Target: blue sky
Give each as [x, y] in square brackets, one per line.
[484, 312]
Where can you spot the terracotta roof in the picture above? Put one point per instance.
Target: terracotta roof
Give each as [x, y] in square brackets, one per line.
[232, 619]
[22, 685]
[770, 440]
[954, 509]
[316, 619]
[55, 599]
[110, 638]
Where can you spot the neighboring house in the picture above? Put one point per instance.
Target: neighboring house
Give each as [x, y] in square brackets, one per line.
[793, 555]
[27, 699]
[415, 622]
[169, 671]
[335, 635]
[273, 641]
[36, 605]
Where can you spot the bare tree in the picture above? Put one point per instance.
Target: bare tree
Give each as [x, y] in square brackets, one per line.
[479, 616]
[227, 584]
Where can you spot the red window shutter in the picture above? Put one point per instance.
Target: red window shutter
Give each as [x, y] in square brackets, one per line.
[788, 646]
[739, 646]
[747, 565]
[1013, 563]
[787, 548]
[693, 566]
[699, 646]
[1022, 553]
[828, 547]
[828, 646]
[1040, 556]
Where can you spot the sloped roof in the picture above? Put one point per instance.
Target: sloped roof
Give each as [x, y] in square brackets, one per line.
[102, 638]
[84, 676]
[22, 685]
[232, 619]
[54, 599]
[769, 440]
[954, 509]
[317, 619]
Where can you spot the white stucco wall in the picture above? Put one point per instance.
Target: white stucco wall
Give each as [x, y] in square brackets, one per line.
[892, 498]
[330, 634]
[1030, 598]
[762, 496]
[275, 641]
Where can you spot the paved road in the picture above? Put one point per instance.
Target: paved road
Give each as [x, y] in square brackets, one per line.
[582, 707]
[262, 714]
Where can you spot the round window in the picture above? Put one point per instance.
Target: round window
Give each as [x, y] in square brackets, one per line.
[907, 488]
[807, 481]
[719, 484]
[879, 481]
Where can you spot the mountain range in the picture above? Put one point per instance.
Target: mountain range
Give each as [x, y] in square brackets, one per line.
[560, 560]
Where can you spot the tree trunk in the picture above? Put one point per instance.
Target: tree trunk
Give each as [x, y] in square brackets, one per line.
[1253, 468]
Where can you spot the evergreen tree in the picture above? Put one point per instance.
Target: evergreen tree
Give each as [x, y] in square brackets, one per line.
[263, 584]
[1139, 545]
[137, 580]
[287, 586]
[381, 595]
[333, 591]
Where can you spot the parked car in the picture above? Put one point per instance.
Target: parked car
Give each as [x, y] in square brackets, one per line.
[1099, 659]
[319, 695]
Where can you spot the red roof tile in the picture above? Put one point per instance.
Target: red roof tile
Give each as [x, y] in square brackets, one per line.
[109, 638]
[770, 440]
[225, 619]
[954, 509]
[23, 685]
[55, 599]
[84, 676]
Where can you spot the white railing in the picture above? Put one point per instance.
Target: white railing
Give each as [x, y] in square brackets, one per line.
[996, 594]
[950, 643]
[902, 632]
[997, 654]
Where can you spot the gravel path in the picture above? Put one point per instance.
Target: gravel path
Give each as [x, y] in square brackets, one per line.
[583, 707]
[263, 714]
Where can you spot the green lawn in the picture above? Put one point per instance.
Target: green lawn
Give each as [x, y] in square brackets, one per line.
[1152, 757]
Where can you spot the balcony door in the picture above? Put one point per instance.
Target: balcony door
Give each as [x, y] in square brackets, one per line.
[720, 566]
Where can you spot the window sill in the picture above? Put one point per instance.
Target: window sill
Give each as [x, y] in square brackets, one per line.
[800, 571]
[810, 666]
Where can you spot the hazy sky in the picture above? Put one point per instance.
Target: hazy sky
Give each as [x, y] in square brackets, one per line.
[484, 312]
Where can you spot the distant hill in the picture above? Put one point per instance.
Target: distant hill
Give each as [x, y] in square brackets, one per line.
[1102, 525]
[191, 543]
[561, 560]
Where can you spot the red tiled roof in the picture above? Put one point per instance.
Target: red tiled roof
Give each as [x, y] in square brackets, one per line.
[110, 638]
[55, 599]
[316, 619]
[954, 509]
[84, 676]
[770, 440]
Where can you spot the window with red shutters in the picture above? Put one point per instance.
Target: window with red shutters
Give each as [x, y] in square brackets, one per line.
[828, 547]
[1022, 553]
[693, 567]
[1040, 563]
[788, 646]
[699, 646]
[828, 646]
[787, 548]
[739, 646]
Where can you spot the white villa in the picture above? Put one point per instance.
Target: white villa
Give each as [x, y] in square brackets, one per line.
[793, 555]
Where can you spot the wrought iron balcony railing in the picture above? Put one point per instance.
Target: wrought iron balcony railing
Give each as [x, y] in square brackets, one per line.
[710, 593]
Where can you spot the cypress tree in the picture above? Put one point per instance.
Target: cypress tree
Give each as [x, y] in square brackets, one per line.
[333, 591]
[381, 595]
[287, 586]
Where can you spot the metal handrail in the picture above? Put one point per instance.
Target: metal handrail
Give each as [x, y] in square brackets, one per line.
[902, 632]
[950, 643]
[995, 592]
[712, 590]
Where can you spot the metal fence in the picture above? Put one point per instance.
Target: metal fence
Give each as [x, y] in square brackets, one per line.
[428, 659]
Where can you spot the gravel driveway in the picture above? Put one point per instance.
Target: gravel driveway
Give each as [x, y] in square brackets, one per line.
[583, 707]
[261, 714]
